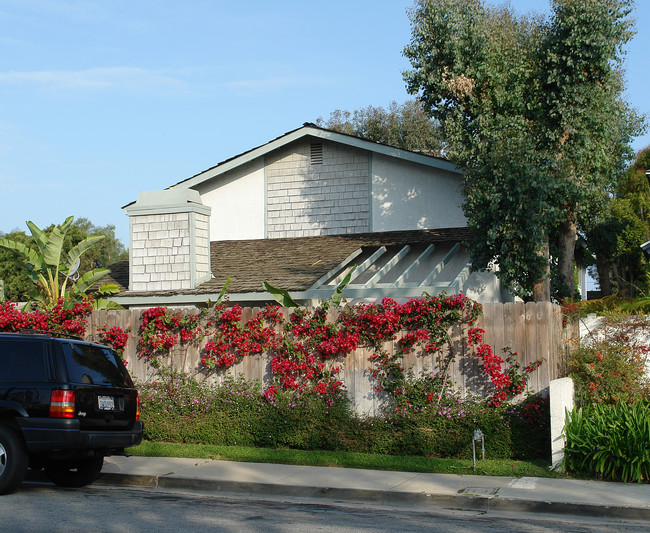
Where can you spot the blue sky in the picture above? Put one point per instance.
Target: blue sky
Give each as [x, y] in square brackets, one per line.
[102, 99]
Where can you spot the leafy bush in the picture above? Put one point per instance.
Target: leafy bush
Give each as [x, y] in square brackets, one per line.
[613, 304]
[432, 420]
[178, 408]
[531, 427]
[610, 441]
[610, 366]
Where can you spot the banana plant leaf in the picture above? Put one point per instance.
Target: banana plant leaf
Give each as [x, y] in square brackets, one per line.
[103, 304]
[89, 279]
[51, 246]
[336, 297]
[33, 258]
[76, 252]
[281, 296]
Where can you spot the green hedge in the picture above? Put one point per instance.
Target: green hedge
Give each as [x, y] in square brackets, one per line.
[179, 409]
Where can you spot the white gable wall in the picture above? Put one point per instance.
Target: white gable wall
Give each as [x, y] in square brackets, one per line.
[237, 202]
[410, 196]
[283, 194]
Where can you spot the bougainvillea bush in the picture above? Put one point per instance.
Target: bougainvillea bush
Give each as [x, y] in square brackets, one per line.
[611, 365]
[305, 348]
[67, 318]
[305, 404]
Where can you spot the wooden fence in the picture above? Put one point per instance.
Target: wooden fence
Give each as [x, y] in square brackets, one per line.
[532, 330]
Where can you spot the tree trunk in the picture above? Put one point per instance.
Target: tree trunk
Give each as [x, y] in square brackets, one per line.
[542, 289]
[619, 282]
[567, 248]
[604, 281]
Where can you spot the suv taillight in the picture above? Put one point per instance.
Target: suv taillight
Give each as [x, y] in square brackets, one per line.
[62, 404]
[137, 409]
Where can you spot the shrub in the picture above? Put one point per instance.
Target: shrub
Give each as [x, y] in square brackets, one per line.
[613, 304]
[531, 428]
[432, 420]
[178, 408]
[610, 441]
[610, 366]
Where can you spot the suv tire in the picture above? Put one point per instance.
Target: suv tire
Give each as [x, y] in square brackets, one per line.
[74, 472]
[13, 459]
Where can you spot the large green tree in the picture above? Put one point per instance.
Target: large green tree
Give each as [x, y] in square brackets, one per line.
[532, 110]
[12, 269]
[405, 126]
[106, 252]
[615, 239]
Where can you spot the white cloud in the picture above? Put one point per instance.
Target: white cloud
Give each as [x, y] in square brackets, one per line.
[11, 42]
[126, 78]
[72, 8]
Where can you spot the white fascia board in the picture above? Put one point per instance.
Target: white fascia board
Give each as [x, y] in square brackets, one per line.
[312, 294]
[152, 300]
[375, 292]
[163, 300]
[240, 160]
[134, 210]
[383, 149]
[322, 134]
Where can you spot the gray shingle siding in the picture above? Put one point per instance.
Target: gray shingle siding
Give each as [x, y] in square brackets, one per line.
[305, 200]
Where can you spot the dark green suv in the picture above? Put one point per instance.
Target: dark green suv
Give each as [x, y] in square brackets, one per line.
[65, 404]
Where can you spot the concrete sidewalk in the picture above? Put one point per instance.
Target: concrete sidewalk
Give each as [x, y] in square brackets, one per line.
[447, 491]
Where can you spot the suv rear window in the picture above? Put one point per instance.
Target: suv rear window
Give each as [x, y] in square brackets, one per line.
[22, 360]
[95, 365]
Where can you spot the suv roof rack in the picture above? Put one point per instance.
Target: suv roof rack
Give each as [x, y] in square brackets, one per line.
[49, 333]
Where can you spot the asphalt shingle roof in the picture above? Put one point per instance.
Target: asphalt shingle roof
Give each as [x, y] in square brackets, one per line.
[293, 263]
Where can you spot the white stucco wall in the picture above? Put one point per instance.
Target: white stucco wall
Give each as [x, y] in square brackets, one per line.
[237, 202]
[411, 196]
[484, 287]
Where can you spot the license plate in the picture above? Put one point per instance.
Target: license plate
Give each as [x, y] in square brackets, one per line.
[106, 403]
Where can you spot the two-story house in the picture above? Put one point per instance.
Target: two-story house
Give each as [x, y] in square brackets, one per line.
[299, 212]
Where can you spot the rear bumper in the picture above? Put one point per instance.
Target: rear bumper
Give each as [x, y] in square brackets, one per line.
[52, 434]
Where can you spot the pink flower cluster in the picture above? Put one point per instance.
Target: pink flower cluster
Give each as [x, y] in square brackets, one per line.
[68, 318]
[116, 337]
[302, 345]
[509, 382]
[231, 340]
[161, 330]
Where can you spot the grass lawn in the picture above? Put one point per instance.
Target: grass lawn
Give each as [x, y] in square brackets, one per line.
[488, 467]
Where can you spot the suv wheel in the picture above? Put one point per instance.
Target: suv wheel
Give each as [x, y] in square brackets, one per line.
[74, 472]
[13, 459]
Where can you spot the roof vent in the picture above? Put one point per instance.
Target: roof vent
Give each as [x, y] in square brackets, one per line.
[316, 153]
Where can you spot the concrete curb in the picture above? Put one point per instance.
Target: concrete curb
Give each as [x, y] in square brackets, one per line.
[458, 502]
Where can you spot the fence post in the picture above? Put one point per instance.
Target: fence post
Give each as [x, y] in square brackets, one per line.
[561, 397]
